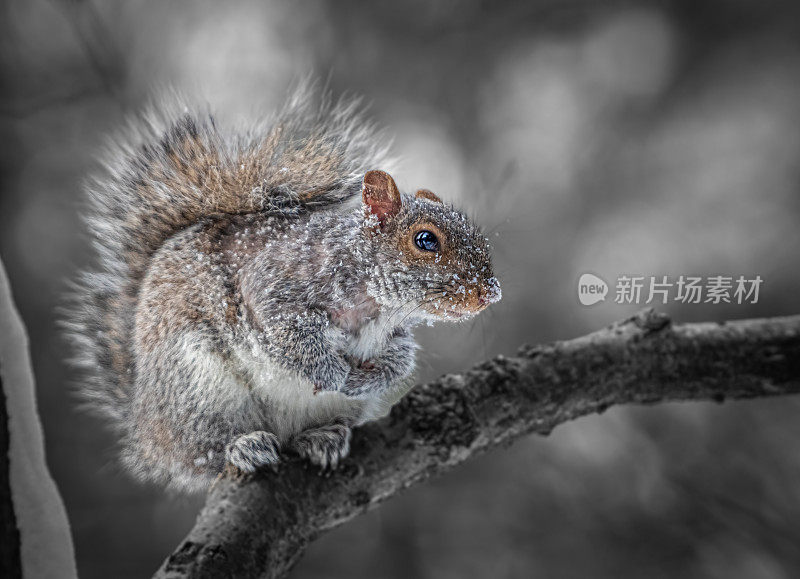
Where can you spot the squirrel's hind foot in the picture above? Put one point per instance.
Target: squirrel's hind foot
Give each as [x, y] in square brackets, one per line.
[252, 451]
[325, 446]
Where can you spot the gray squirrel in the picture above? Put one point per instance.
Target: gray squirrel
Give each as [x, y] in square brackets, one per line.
[245, 303]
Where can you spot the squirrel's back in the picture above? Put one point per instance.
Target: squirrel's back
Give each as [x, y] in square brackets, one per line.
[172, 168]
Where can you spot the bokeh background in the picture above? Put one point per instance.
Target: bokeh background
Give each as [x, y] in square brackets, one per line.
[651, 138]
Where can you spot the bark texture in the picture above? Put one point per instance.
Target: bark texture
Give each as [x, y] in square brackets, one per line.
[259, 526]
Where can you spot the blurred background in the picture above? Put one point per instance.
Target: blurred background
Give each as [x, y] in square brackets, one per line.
[651, 138]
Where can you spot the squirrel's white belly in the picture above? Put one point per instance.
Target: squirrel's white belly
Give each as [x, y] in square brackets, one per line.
[290, 405]
[287, 400]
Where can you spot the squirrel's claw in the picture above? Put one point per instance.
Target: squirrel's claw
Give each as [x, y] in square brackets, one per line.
[325, 446]
[252, 451]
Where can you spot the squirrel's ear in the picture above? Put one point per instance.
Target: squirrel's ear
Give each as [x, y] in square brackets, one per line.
[380, 195]
[429, 195]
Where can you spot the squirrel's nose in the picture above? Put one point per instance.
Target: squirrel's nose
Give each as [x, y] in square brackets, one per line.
[489, 292]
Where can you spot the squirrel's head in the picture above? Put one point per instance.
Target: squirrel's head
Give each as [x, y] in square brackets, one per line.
[433, 261]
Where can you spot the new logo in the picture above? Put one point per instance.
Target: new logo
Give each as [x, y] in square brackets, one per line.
[591, 289]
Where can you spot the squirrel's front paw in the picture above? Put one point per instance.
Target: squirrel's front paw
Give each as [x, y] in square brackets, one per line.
[369, 379]
[325, 446]
[252, 451]
[330, 374]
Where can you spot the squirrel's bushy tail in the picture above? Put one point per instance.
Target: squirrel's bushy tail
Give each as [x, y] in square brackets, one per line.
[173, 167]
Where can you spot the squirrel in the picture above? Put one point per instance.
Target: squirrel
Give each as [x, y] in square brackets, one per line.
[245, 303]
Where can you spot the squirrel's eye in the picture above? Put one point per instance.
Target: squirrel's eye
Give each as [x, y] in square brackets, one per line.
[426, 241]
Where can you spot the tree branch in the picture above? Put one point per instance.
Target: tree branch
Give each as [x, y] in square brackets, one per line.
[259, 526]
[34, 531]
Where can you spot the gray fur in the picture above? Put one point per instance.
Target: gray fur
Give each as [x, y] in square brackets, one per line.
[242, 303]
